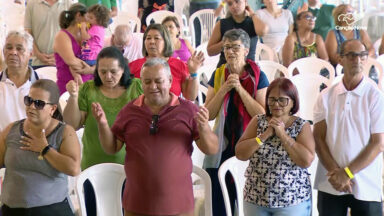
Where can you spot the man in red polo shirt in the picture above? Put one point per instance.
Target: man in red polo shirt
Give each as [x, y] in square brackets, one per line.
[158, 129]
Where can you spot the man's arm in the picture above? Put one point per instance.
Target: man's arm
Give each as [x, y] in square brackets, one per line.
[321, 147]
[208, 142]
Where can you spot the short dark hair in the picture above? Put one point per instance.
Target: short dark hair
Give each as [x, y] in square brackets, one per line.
[345, 43]
[114, 53]
[67, 17]
[174, 20]
[287, 87]
[54, 94]
[101, 13]
[168, 49]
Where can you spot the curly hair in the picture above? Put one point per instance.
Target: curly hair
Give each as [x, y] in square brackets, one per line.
[101, 13]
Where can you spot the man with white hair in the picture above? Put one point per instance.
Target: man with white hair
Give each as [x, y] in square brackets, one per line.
[129, 43]
[17, 78]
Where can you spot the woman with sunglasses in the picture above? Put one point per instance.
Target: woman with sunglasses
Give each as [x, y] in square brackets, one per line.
[39, 152]
[279, 147]
[113, 88]
[235, 94]
[303, 42]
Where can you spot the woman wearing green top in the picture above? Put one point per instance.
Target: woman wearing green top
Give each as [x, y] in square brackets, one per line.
[113, 88]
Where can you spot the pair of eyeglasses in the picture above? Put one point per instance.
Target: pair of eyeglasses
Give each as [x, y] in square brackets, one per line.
[282, 101]
[309, 17]
[352, 55]
[153, 128]
[39, 104]
[234, 48]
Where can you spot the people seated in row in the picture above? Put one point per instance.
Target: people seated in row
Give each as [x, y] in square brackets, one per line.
[303, 42]
[182, 48]
[112, 89]
[39, 153]
[68, 50]
[279, 146]
[158, 158]
[241, 17]
[17, 78]
[236, 93]
[157, 44]
[130, 44]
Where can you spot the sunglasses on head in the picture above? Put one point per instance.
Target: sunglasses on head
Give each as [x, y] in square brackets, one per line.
[153, 128]
[39, 104]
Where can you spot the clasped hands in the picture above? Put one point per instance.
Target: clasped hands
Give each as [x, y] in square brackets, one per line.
[340, 180]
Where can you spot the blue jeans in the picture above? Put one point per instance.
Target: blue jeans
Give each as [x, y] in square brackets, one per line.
[302, 209]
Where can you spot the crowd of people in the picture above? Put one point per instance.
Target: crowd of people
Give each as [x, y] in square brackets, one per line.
[135, 97]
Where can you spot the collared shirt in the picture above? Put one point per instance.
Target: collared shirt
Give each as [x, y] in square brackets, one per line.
[12, 106]
[159, 165]
[351, 118]
[43, 20]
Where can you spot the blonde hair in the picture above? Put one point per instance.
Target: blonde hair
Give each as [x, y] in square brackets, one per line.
[338, 11]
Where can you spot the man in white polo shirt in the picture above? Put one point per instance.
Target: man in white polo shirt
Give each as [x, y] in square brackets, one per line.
[349, 135]
[17, 78]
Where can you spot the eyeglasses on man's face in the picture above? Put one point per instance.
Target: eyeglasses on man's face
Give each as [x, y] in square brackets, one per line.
[352, 55]
[153, 128]
[39, 104]
[233, 47]
[282, 101]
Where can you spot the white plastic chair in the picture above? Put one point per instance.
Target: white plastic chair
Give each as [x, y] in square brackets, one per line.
[63, 100]
[127, 19]
[107, 180]
[272, 69]
[207, 21]
[48, 72]
[264, 52]
[311, 65]
[158, 17]
[237, 169]
[206, 180]
[308, 87]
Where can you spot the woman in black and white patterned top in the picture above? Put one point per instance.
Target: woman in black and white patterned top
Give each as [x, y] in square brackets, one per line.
[280, 146]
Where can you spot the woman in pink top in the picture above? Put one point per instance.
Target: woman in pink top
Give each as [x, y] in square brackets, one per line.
[93, 38]
[67, 48]
[182, 48]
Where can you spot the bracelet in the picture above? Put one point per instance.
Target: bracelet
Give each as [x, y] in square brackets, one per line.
[193, 75]
[223, 4]
[258, 141]
[43, 152]
[349, 173]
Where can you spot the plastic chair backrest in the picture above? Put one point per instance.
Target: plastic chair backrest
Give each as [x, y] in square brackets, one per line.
[311, 65]
[48, 72]
[207, 21]
[158, 17]
[107, 180]
[269, 52]
[203, 175]
[237, 168]
[272, 69]
[377, 63]
[376, 45]
[308, 87]
[63, 100]
[125, 18]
